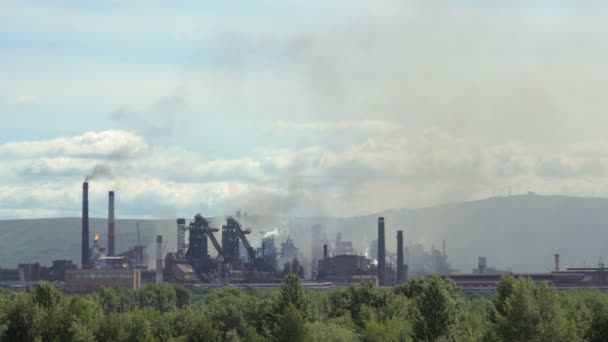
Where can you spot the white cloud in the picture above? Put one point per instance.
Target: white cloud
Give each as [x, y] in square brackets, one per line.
[425, 168]
[343, 126]
[21, 100]
[109, 144]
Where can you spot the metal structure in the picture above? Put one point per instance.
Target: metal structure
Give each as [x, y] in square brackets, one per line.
[400, 266]
[181, 236]
[159, 259]
[200, 231]
[381, 253]
[111, 224]
[232, 232]
[85, 226]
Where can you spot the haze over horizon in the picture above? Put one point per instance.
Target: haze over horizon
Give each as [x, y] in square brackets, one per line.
[295, 107]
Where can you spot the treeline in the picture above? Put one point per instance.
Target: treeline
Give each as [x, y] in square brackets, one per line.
[424, 309]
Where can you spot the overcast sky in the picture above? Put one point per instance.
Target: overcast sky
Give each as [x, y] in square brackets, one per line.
[298, 107]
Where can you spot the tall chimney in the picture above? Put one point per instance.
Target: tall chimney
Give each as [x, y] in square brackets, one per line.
[85, 226]
[159, 259]
[111, 224]
[325, 253]
[400, 268]
[381, 252]
[557, 262]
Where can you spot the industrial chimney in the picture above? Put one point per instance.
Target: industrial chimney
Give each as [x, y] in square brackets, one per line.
[85, 226]
[159, 259]
[400, 268]
[111, 224]
[481, 264]
[557, 262]
[325, 253]
[381, 252]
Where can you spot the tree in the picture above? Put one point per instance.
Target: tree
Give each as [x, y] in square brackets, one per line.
[48, 298]
[46, 295]
[438, 307]
[329, 331]
[553, 324]
[520, 318]
[291, 326]
[159, 296]
[137, 327]
[182, 296]
[292, 293]
[504, 290]
[393, 330]
[192, 326]
[251, 335]
[79, 319]
[24, 320]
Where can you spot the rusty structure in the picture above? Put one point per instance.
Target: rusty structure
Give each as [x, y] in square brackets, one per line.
[236, 260]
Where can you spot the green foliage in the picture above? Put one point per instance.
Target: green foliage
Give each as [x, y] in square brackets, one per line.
[358, 301]
[46, 295]
[424, 309]
[527, 312]
[251, 335]
[24, 320]
[159, 296]
[392, 330]
[291, 326]
[330, 332]
[292, 293]
[182, 296]
[438, 306]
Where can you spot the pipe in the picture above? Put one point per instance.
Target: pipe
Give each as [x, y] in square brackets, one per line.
[85, 226]
[381, 253]
[111, 224]
[400, 268]
[159, 259]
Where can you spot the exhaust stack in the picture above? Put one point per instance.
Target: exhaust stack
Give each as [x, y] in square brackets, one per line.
[159, 259]
[85, 226]
[325, 252]
[111, 224]
[400, 268]
[556, 262]
[381, 252]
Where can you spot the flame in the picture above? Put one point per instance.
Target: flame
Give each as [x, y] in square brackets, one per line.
[96, 237]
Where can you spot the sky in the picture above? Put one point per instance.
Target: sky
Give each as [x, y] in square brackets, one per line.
[295, 107]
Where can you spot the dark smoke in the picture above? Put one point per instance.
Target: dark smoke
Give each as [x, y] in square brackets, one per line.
[100, 171]
[159, 120]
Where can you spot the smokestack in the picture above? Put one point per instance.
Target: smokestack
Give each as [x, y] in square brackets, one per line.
[381, 252]
[325, 253]
[557, 262]
[159, 259]
[85, 226]
[400, 268]
[481, 264]
[111, 224]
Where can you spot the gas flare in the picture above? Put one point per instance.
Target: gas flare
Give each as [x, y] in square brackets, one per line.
[96, 237]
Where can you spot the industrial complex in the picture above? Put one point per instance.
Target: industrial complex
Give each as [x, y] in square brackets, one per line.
[217, 256]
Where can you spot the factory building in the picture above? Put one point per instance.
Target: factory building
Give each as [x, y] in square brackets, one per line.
[92, 280]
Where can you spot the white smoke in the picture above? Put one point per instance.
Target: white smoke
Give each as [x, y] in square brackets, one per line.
[273, 233]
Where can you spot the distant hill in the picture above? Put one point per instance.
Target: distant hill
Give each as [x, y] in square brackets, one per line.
[521, 232]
